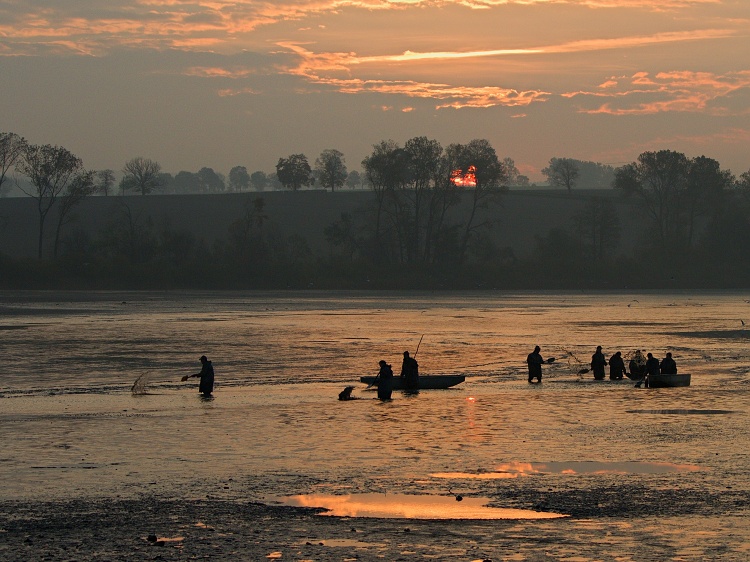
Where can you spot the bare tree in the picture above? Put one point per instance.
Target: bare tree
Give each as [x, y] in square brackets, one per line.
[141, 174]
[12, 147]
[514, 176]
[51, 170]
[331, 169]
[105, 180]
[562, 172]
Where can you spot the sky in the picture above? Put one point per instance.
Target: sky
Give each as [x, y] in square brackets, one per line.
[224, 83]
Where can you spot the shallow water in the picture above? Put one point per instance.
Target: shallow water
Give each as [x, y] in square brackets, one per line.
[276, 428]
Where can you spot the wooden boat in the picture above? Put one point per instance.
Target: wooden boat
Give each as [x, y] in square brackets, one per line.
[426, 382]
[668, 381]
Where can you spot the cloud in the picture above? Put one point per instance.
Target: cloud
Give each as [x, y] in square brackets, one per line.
[228, 92]
[92, 26]
[217, 72]
[673, 91]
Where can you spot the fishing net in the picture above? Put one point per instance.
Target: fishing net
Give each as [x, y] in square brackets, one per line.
[139, 386]
[576, 366]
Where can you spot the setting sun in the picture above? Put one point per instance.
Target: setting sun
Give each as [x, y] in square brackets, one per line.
[461, 179]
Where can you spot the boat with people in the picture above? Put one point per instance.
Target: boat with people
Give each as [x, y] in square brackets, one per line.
[426, 382]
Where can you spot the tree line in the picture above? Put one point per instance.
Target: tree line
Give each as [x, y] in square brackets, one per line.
[431, 215]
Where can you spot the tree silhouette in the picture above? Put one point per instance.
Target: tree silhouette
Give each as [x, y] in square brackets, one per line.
[562, 172]
[491, 178]
[211, 182]
[12, 147]
[331, 169]
[105, 179]
[76, 191]
[386, 169]
[239, 179]
[354, 180]
[51, 170]
[141, 174]
[598, 226]
[294, 172]
[259, 180]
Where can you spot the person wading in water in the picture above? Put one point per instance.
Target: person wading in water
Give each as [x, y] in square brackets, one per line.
[206, 386]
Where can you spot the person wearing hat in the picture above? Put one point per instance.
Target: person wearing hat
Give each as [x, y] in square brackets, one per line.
[206, 386]
[598, 362]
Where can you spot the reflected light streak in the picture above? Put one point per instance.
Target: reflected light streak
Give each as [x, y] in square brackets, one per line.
[517, 469]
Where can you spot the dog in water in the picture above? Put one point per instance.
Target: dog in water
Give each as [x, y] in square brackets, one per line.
[346, 394]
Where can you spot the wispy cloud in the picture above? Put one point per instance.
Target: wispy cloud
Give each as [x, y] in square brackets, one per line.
[320, 69]
[90, 26]
[683, 91]
[675, 91]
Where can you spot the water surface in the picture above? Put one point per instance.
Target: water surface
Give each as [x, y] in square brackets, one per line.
[275, 427]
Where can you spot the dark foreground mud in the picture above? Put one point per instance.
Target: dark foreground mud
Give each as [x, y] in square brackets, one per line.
[613, 523]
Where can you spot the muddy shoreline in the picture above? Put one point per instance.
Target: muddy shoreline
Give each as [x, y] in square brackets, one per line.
[154, 528]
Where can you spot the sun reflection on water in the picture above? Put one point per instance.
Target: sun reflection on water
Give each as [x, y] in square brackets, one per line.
[517, 469]
[402, 506]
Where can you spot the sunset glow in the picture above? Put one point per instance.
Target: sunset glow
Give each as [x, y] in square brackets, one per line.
[598, 80]
[461, 179]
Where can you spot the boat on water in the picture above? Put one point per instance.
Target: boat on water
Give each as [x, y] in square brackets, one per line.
[426, 382]
[669, 381]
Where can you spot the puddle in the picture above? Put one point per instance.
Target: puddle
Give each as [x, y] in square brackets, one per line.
[685, 412]
[516, 469]
[401, 506]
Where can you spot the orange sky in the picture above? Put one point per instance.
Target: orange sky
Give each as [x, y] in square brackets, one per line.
[220, 83]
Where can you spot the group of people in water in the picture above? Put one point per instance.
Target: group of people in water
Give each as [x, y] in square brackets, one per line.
[384, 380]
[639, 365]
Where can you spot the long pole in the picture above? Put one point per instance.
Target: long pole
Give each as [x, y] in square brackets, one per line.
[420, 343]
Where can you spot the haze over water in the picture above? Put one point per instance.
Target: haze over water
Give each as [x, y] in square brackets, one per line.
[275, 427]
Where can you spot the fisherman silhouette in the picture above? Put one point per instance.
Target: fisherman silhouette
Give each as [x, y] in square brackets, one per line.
[206, 386]
[385, 381]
